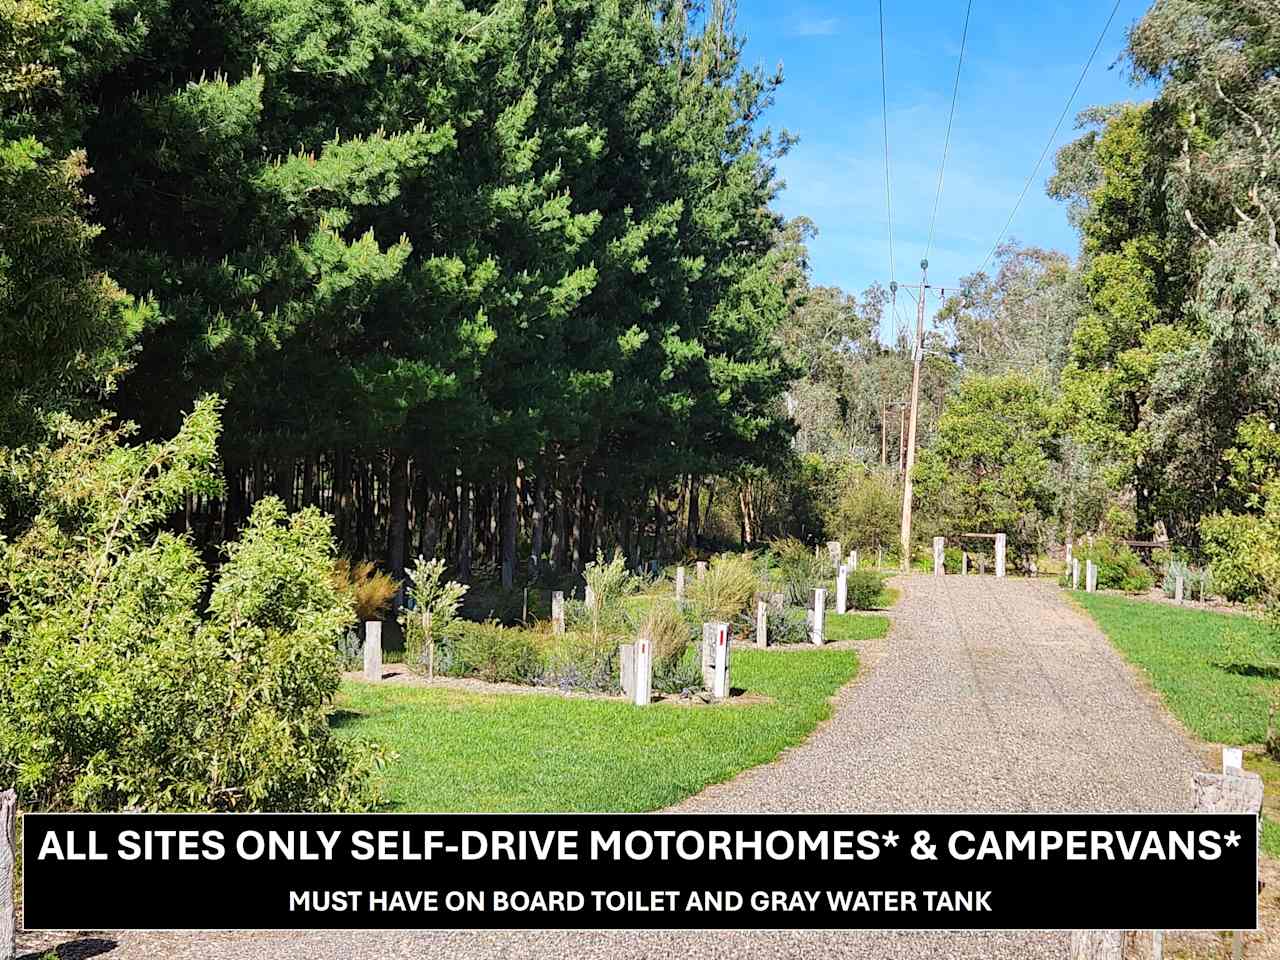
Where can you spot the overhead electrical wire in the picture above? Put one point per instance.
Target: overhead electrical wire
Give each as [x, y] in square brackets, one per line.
[946, 143]
[884, 114]
[1052, 136]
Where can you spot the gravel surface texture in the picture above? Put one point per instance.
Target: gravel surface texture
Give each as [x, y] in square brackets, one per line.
[987, 695]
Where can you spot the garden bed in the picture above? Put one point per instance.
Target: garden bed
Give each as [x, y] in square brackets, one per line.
[463, 750]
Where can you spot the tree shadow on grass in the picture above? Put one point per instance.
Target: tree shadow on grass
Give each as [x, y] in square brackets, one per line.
[1262, 672]
[341, 718]
[81, 949]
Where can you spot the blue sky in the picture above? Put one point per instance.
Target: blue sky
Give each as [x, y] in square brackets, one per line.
[1021, 61]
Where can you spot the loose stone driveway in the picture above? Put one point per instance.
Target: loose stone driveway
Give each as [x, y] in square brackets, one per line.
[987, 695]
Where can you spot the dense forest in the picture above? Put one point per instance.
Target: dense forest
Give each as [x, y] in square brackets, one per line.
[503, 283]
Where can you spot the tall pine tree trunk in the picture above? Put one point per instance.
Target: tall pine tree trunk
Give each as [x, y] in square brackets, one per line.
[695, 485]
[539, 521]
[466, 508]
[510, 516]
[398, 514]
[577, 506]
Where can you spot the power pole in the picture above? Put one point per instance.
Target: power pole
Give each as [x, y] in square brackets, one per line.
[915, 402]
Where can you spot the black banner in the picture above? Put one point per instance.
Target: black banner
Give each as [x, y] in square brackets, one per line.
[652, 871]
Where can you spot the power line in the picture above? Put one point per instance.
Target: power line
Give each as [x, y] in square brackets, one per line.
[946, 143]
[1049, 143]
[884, 113]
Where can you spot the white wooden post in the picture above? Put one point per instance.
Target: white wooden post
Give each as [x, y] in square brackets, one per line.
[8, 874]
[679, 584]
[1090, 576]
[964, 563]
[1097, 944]
[627, 668]
[643, 680]
[1001, 542]
[1232, 761]
[842, 590]
[720, 662]
[834, 552]
[819, 615]
[762, 624]
[1075, 573]
[373, 650]
[1070, 556]
[939, 556]
[879, 558]
[702, 569]
[557, 612]
[854, 564]
[1157, 945]
[1177, 589]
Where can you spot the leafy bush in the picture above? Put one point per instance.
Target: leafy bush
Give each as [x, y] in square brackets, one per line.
[727, 588]
[864, 589]
[1243, 553]
[495, 653]
[370, 592]
[121, 686]
[1118, 567]
[432, 615]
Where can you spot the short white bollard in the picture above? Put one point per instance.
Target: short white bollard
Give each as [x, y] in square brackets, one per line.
[939, 556]
[854, 564]
[679, 584]
[1178, 585]
[1001, 542]
[720, 663]
[557, 612]
[834, 552]
[1232, 760]
[842, 590]
[1090, 576]
[701, 569]
[8, 874]
[373, 650]
[819, 616]
[627, 668]
[1070, 556]
[643, 679]
[762, 624]
[964, 563]
[1075, 573]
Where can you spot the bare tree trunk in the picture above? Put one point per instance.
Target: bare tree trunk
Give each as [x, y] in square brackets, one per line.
[398, 514]
[510, 517]
[309, 481]
[695, 495]
[465, 509]
[659, 522]
[539, 520]
[578, 507]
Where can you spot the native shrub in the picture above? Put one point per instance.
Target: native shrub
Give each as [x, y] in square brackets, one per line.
[864, 589]
[431, 618]
[495, 653]
[726, 589]
[1119, 568]
[121, 687]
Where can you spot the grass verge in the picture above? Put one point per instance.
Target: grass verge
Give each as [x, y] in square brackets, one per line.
[460, 751]
[854, 626]
[1181, 652]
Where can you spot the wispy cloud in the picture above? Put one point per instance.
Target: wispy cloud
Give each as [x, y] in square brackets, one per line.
[814, 27]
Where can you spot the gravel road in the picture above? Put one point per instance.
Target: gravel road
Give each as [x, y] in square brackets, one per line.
[988, 695]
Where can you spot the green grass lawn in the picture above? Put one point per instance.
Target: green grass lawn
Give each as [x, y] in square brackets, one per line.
[1181, 652]
[525, 752]
[855, 626]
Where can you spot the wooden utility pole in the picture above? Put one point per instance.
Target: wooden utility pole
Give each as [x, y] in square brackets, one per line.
[884, 435]
[915, 403]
